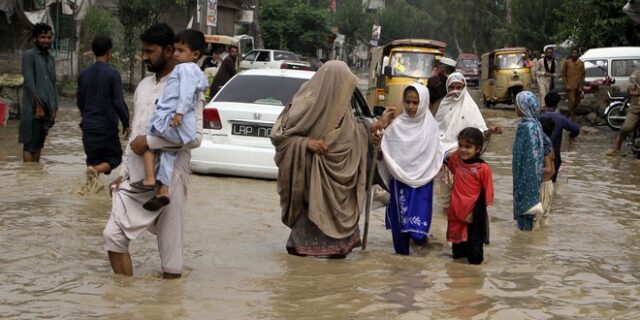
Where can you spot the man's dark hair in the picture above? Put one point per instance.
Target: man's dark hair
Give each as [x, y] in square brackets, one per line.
[232, 46]
[548, 125]
[552, 99]
[576, 49]
[40, 28]
[101, 45]
[194, 39]
[473, 136]
[159, 34]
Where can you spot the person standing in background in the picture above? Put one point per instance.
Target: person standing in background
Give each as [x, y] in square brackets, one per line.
[101, 105]
[39, 99]
[225, 72]
[545, 73]
[573, 74]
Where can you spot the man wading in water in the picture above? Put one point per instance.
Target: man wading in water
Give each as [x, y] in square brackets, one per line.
[128, 219]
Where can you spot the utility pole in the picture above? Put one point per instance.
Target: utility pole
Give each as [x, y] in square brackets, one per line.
[257, 31]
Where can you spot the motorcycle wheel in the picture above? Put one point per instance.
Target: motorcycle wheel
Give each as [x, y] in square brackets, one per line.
[615, 117]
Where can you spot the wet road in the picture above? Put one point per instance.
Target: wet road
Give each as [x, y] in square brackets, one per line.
[586, 264]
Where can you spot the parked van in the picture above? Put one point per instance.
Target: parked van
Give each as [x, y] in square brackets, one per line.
[619, 62]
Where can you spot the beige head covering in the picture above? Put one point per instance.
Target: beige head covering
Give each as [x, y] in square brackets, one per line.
[330, 187]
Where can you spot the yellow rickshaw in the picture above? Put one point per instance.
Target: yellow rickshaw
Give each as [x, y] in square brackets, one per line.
[505, 72]
[398, 64]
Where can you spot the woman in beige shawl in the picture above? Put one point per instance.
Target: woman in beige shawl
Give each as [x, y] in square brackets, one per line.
[321, 153]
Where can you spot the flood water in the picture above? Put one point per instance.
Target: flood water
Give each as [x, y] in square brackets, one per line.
[585, 264]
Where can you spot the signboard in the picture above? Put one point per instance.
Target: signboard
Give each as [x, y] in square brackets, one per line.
[212, 13]
[244, 16]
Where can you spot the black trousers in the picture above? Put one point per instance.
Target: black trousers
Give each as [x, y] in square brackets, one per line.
[102, 146]
[473, 251]
[477, 235]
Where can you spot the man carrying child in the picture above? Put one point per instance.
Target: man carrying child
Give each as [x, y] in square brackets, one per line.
[128, 219]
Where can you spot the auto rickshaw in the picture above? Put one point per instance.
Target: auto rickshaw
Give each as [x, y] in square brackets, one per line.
[398, 64]
[505, 72]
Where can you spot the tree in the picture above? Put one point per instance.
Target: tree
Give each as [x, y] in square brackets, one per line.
[293, 25]
[534, 24]
[351, 21]
[135, 16]
[594, 23]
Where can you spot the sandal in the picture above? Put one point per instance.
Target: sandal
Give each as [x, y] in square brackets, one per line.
[156, 203]
[140, 185]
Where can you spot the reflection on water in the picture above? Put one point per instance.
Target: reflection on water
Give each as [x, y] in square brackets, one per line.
[585, 264]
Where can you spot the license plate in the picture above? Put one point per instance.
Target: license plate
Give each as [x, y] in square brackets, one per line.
[251, 130]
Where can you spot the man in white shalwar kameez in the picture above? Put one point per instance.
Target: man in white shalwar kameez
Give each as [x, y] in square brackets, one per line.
[128, 219]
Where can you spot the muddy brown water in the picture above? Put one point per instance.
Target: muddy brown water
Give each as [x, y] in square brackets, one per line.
[586, 264]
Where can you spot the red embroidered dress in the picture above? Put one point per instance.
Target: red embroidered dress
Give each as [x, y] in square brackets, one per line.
[470, 178]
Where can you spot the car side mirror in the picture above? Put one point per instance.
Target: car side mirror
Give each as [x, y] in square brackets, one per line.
[387, 71]
[378, 111]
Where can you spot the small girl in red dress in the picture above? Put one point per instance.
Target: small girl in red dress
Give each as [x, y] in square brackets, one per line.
[468, 222]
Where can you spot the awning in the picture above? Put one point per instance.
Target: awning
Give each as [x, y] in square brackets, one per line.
[231, 4]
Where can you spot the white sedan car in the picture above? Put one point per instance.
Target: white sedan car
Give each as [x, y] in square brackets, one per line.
[238, 121]
[272, 59]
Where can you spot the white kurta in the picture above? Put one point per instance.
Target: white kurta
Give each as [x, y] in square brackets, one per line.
[128, 219]
[544, 80]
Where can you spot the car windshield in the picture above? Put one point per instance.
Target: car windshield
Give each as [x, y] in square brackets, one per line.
[511, 61]
[412, 64]
[467, 64]
[595, 68]
[283, 55]
[267, 90]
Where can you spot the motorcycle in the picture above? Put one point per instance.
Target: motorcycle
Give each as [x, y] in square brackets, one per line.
[616, 110]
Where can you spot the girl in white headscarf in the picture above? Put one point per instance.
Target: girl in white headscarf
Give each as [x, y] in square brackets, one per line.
[458, 111]
[412, 157]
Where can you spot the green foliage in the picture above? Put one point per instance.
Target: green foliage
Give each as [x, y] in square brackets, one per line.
[595, 23]
[100, 22]
[351, 21]
[293, 25]
[479, 26]
[533, 24]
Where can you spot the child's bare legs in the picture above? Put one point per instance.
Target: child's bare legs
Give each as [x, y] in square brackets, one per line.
[149, 158]
[163, 191]
[166, 162]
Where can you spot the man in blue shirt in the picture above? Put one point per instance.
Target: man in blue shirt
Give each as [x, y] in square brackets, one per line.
[561, 123]
[101, 104]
